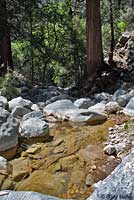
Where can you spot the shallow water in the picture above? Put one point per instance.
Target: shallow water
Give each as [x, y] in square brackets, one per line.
[60, 167]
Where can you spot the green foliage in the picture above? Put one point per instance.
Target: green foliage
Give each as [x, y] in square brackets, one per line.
[58, 43]
[121, 25]
[126, 126]
[50, 36]
[8, 86]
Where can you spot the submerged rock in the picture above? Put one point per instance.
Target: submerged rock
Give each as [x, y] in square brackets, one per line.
[44, 182]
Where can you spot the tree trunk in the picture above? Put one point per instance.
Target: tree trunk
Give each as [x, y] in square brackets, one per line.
[94, 37]
[112, 34]
[132, 3]
[5, 42]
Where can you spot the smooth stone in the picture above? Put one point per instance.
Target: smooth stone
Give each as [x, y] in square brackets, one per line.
[35, 107]
[19, 111]
[19, 101]
[34, 128]
[3, 163]
[59, 106]
[103, 96]
[110, 149]
[83, 103]
[99, 108]
[9, 136]
[4, 114]
[33, 114]
[112, 107]
[92, 118]
[129, 109]
[3, 102]
[57, 98]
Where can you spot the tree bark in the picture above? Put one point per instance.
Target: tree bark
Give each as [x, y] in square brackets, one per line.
[5, 42]
[111, 62]
[94, 37]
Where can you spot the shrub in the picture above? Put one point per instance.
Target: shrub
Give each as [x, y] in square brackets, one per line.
[8, 86]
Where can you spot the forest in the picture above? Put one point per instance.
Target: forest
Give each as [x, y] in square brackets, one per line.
[49, 40]
[66, 99]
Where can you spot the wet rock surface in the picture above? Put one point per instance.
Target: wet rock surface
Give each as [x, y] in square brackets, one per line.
[74, 153]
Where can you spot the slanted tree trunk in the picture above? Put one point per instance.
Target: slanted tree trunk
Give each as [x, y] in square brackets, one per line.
[94, 37]
[5, 42]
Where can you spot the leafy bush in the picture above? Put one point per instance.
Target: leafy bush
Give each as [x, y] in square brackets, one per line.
[8, 86]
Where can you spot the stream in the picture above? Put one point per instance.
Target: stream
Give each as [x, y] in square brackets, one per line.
[68, 165]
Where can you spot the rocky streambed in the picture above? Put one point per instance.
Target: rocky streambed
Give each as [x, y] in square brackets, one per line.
[63, 146]
[65, 167]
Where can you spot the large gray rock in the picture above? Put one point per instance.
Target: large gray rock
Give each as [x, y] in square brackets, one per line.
[57, 98]
[33, 128]
[112, 107]
[19, 111]
[33, 114]
[66, 110]
[3, 102]
[122, 97]
[129, 109]
[3, 164]
[12, 195]
[99, 108]
[83, 115]
[103, 96]
[9, 135]
[19, 101]
[60, 107]
[119, 185]
[4, 114]
[83, 103]
[35, 107]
